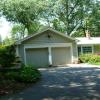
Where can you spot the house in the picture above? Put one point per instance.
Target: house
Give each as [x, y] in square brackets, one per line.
[50, 47]
[88, 44]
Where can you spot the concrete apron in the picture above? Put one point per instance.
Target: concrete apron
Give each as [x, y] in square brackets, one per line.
[83, 65]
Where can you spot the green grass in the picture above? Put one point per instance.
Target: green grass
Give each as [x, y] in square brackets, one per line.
[97, 63]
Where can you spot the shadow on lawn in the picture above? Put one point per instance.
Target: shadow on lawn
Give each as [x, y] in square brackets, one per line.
[64, 84]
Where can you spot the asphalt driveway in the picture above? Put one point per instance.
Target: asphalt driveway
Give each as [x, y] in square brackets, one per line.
[63, 84]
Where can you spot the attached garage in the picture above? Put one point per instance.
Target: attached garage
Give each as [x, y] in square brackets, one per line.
[48, 47]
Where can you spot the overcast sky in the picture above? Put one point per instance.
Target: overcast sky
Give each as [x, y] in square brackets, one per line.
[5, 28]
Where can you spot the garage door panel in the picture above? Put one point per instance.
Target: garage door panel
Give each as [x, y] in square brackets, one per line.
[61, 55]
[37, 57]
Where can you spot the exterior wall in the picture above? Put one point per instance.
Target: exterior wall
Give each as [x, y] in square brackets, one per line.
[75, 52]
[43, 38]
[96, 48]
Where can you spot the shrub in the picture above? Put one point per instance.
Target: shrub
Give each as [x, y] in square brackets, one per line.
[94, 59]
[29, 74]
[25, 74]
[7, 56]
[85, 57]
[90, 58]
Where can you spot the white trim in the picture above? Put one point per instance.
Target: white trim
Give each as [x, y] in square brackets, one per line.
[47, 45]
[50, 56]
[92, 49]
[77, 51]
[81, 50]
[72, 59]
[24, 55]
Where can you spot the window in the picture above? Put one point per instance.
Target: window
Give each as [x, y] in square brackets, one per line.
[87, 49]
[84, 49]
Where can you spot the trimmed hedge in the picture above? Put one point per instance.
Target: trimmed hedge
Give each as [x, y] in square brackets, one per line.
[90, 58]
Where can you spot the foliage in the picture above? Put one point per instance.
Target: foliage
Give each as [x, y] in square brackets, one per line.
[90, 58]
[85, 57]
[68, 16]
[12, 81]
[29, 74]
[21, 11]
[25, 74]
[7, 56]
[94, 59]
[79, 33]
[8, 41]
[0, 40]
[18, 32]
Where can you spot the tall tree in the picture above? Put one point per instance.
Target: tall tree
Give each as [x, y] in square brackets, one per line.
[18, 31]
[72, 13]
[25, 12]
[68, 16]
[0, 39]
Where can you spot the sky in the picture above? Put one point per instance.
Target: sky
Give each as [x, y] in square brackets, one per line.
[5, 28]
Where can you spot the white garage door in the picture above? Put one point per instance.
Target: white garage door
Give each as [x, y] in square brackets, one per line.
[61, 55]
[37, 57]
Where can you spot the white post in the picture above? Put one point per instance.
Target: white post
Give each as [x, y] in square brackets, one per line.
[24, 55]
[92, 49]
[72, 54]
[50, 56]
[81, 49]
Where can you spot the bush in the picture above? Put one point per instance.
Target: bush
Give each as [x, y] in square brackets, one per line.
[85, 57]
[7, 56]
[94, 59]
[29, 74]
[25, 74]
[90, 58]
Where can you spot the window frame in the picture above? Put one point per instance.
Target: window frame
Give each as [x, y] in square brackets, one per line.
[82, 51]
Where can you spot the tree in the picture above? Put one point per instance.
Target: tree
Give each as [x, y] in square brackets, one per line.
[68, 16]
[0, 39]
[8, 41]
[21, 11]
[18, 32]
[72, 13]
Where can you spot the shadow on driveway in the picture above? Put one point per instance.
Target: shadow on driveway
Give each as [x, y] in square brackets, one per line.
[63, 84]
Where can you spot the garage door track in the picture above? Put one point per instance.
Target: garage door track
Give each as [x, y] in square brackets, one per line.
[63, 84]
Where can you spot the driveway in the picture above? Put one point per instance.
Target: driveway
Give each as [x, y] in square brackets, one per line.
[62, 83]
